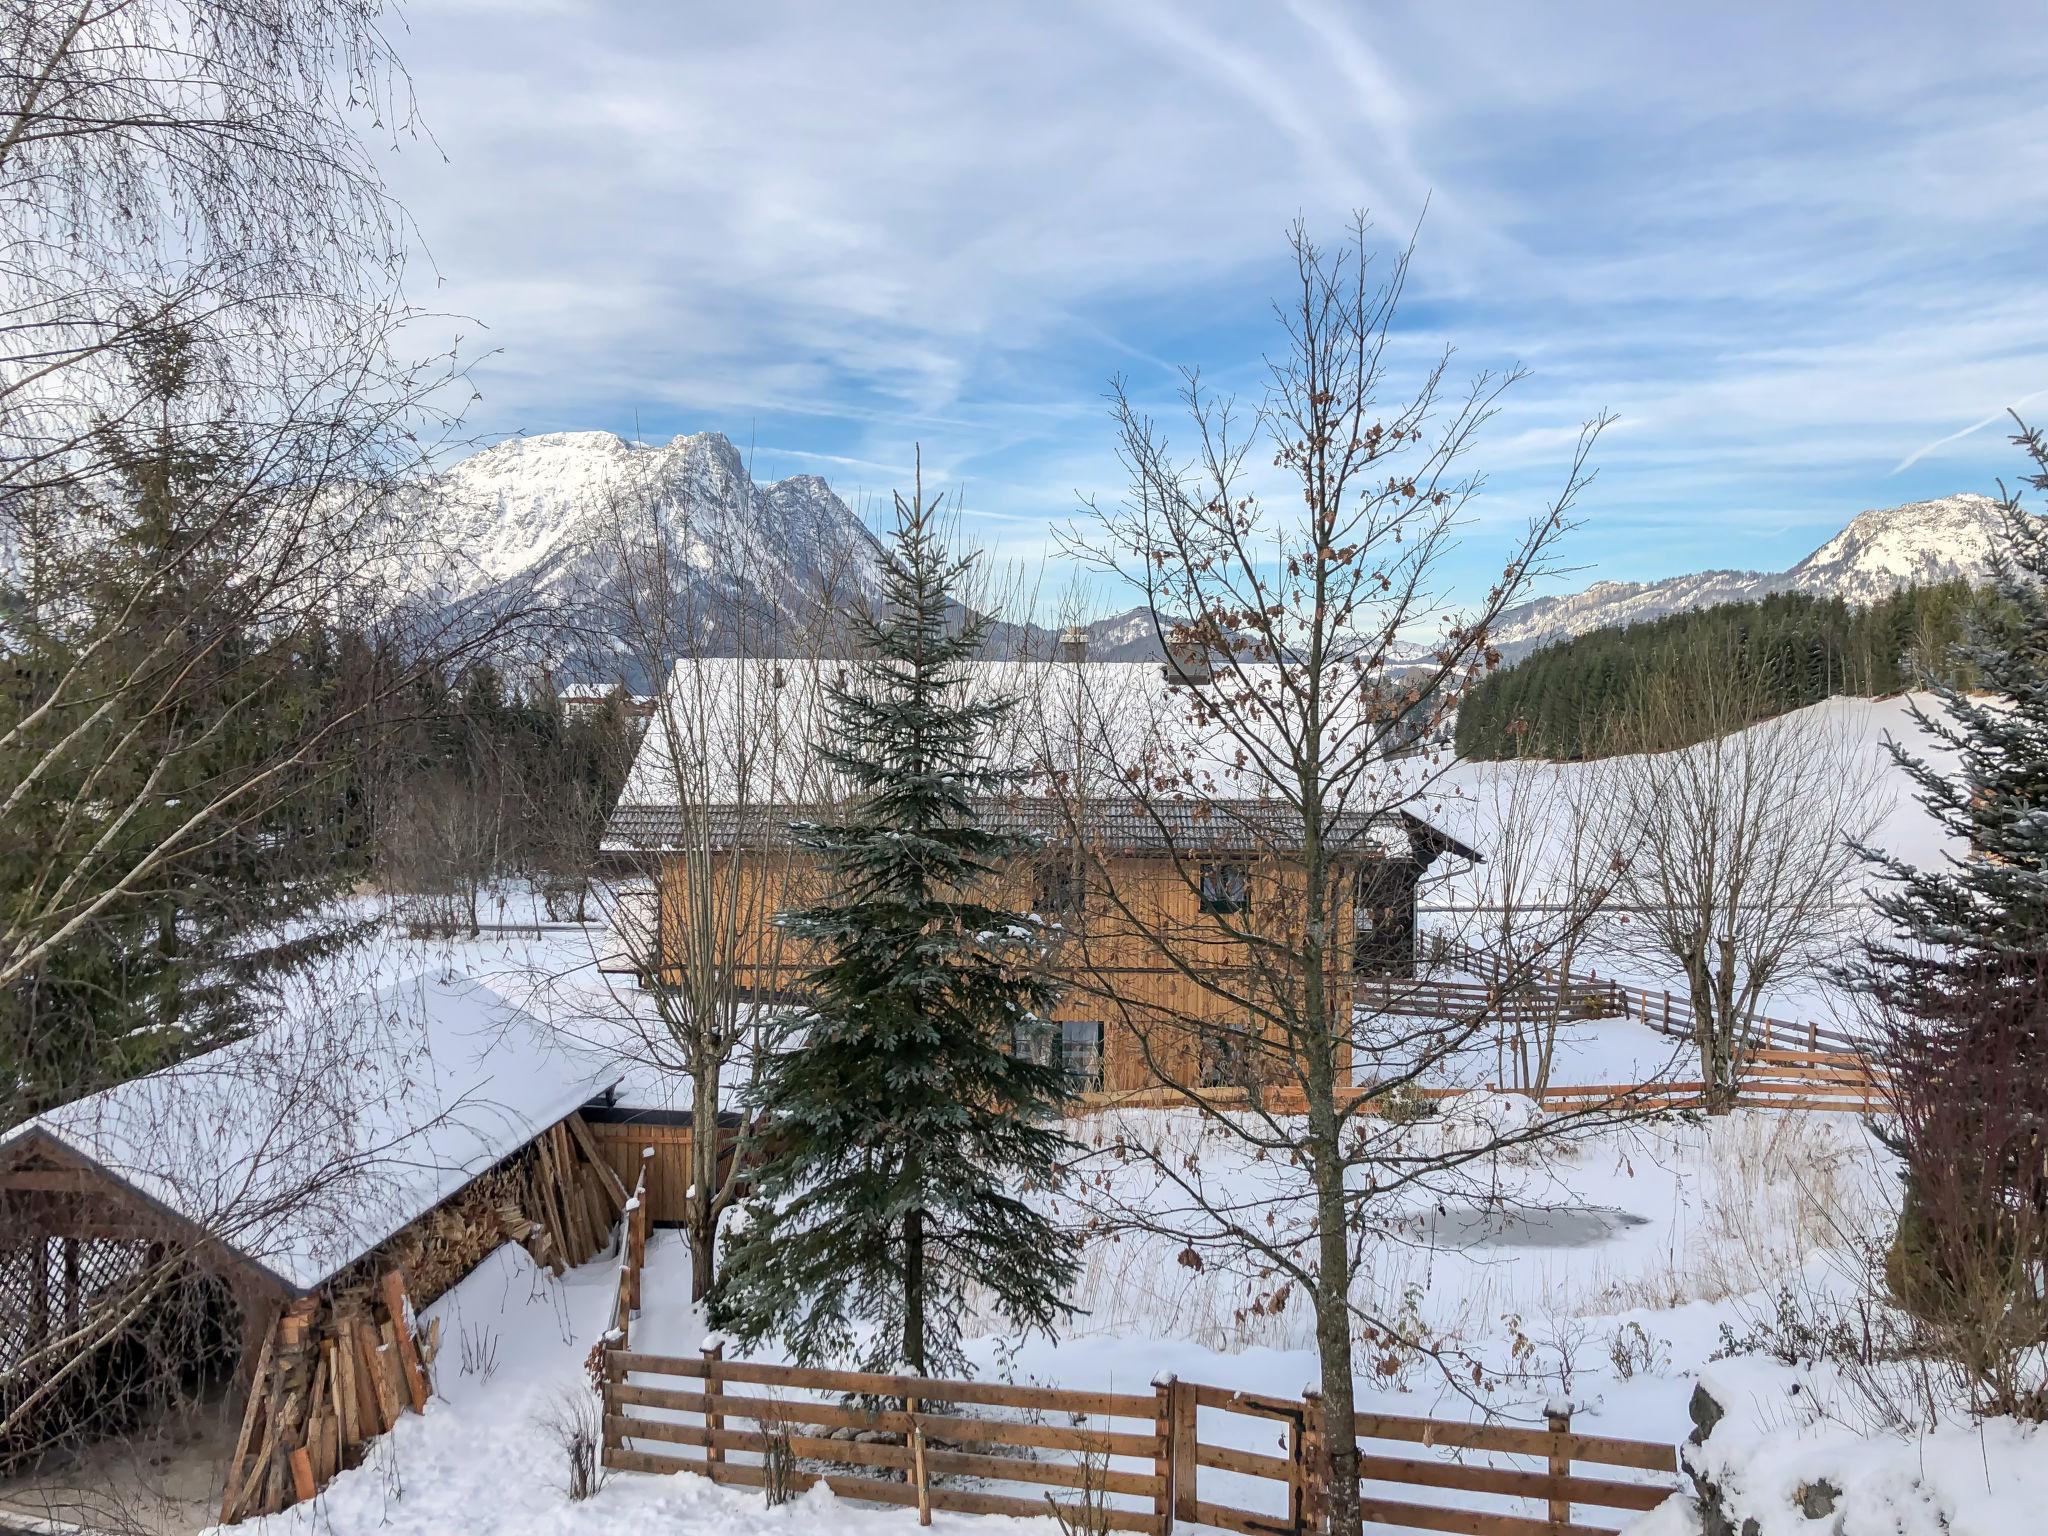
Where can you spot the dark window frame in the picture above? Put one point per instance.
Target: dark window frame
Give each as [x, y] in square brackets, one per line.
[1225, 887]
[1086, 1078]
[1058, 889]
[1066, 1044]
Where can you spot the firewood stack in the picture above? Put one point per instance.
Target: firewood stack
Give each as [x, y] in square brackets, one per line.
[340, 1365]
[333, 1372]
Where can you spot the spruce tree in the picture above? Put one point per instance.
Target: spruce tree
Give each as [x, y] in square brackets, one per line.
[191, 670]
[1960, 982]
[906, 1128]
[1956, 914]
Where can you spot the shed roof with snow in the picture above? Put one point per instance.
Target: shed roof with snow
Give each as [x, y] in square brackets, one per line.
[302, 1148]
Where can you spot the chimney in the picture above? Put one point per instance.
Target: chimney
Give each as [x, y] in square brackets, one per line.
[1187, 662]
[1073, 643]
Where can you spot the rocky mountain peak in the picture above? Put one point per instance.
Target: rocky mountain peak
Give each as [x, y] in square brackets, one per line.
[1880, 551]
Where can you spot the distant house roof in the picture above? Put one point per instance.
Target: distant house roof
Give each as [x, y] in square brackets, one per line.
[305, 1146]
[1189, 828]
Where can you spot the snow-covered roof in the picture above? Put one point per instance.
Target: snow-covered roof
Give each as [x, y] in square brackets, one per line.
[308, 1144]
[747, 733]
[1187, 828]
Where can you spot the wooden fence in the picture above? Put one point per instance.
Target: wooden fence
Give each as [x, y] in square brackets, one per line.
[625, 1139]
[1534, 991]
[1127, 1461]
[1767, 1079]
[639, 1219]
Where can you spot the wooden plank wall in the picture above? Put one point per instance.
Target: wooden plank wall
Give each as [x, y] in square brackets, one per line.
[1111, 964]
[622, 1143]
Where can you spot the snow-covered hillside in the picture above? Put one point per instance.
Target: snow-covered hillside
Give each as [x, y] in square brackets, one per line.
[1879, 552]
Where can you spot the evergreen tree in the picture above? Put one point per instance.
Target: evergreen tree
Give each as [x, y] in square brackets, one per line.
[905, 1126]
[1955, 915]
[1562, 700]
[188, 673]
[1961, 983]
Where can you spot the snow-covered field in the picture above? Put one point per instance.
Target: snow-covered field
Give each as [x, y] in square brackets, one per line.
[1613, 1272]
[1605, 1276]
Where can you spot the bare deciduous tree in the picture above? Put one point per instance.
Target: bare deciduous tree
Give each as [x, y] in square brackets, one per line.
[1552, 835]
[1740, 874]
[1319, 644]
[729, 760]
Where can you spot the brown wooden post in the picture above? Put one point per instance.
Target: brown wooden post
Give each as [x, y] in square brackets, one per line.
[611, 1439]
[1186, 1436]
[39, 1293]
[714, 1421]
[1167, 1451]
[917, 1470]
[1315, 1462]
[1559, 1419]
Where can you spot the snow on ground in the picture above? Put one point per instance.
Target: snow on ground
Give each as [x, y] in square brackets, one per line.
[1468, 799]
[1612, 1272]
[483, 1461]
[1604, 1275]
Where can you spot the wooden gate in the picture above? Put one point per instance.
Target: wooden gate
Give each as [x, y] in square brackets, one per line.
[1294, 1424]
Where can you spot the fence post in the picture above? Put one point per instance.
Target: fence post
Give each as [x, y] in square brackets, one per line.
[1167, 1451]
[714, 1421]
[1185, 1439]
[917, 1470]
[611, 1439]
[1558, 1416]
[1315, 1462]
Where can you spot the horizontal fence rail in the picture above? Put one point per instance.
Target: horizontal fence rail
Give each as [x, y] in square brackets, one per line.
[1109, 1460]
[1532, 990]
[1765, 1079]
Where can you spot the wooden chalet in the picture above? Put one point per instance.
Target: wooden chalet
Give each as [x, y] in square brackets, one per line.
[1149, 902]
[267, 1219]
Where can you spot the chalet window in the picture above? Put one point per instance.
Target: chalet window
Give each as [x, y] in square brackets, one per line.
[1081, 1053]
[1226, 888]
[1226, 1057]
[1383, 920]
[1074, 1044]
[1059, 891]
[1036, 1040]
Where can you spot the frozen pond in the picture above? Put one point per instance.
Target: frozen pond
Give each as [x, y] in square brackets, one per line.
[1487, 1226]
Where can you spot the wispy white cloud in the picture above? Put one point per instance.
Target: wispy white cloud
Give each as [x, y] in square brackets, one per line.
[1976, 426]
[1785, 243]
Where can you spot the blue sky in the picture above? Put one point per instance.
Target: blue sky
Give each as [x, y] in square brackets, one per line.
[1798, 250]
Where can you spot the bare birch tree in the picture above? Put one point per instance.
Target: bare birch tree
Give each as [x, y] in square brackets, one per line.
[203, 338]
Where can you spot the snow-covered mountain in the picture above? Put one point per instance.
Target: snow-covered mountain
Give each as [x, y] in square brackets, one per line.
[575, 519]
[584, 521]
[565, 515]
[1880, 552]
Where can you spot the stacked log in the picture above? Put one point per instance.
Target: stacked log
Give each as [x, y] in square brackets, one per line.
[334, 1372]
[340, 1366]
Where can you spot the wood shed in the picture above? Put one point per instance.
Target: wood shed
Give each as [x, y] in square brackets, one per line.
[272, 1215]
